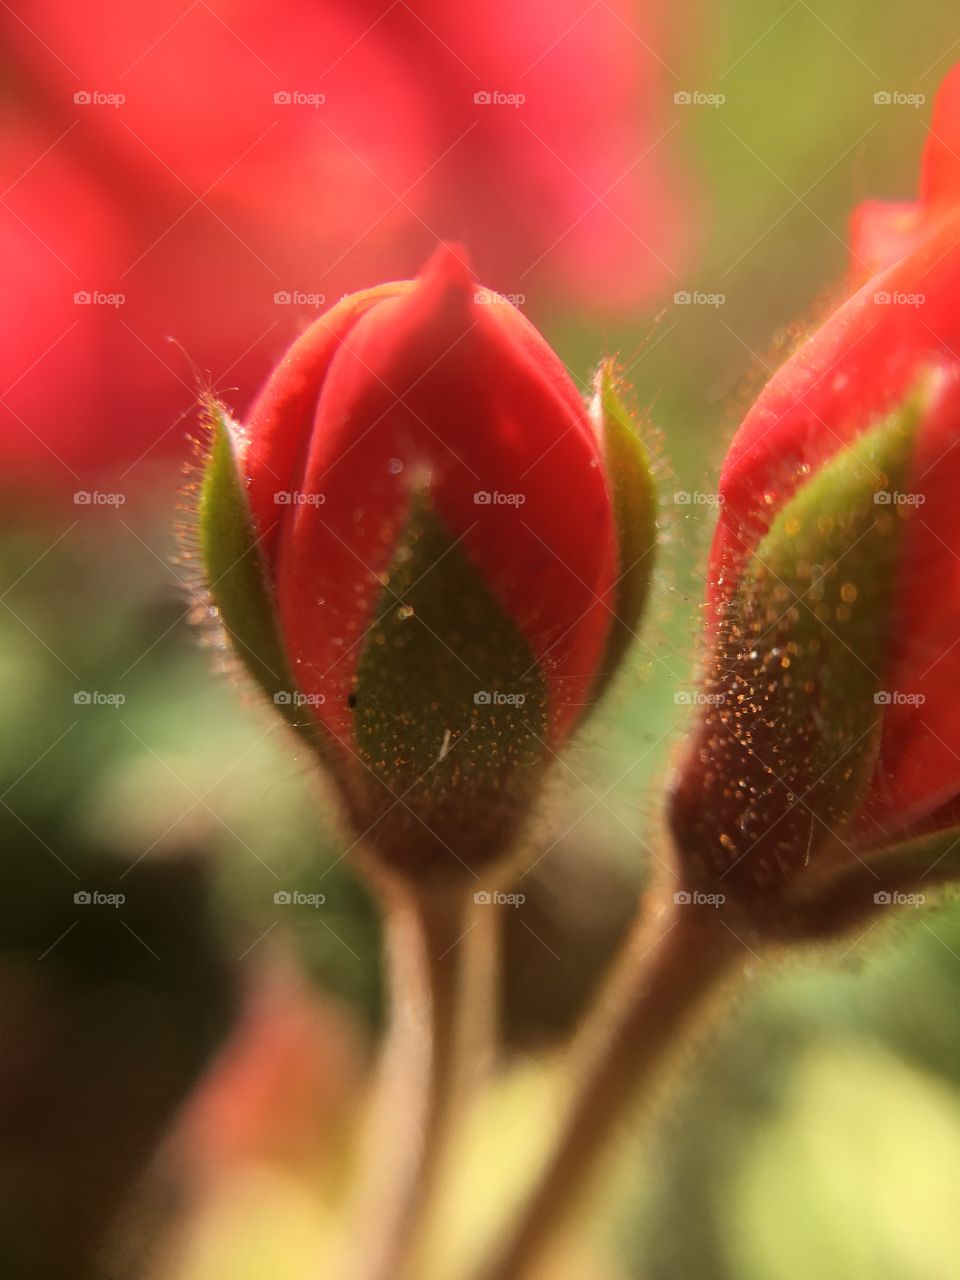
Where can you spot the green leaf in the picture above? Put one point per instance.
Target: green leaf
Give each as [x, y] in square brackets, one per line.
[451, 712]
[236, 578]
[634, 507]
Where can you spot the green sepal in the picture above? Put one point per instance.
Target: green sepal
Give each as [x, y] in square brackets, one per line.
[236, 581]
[828, 899]
[448, 776]
[791, 726]
[929, 859]
[632, 493]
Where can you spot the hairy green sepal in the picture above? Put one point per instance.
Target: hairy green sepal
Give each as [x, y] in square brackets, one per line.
[236, 579]
[450, 716]
[791, 719]
[630, 479]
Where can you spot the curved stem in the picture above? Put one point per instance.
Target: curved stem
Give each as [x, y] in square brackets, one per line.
[418, 1074]
[672, 965]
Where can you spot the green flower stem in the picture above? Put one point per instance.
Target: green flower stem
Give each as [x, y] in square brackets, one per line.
[420, 1075]
[673, 965]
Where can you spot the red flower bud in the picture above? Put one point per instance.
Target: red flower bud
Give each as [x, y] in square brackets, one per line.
[829, 727]
[448, 568]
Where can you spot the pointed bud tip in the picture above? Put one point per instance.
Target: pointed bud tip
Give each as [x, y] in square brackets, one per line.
[447, 271]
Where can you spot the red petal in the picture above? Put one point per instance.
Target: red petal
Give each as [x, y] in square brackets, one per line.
[880, 232]
[919, 767]
[940, 171]
[858, 366]
[274, 440]
[437, 385]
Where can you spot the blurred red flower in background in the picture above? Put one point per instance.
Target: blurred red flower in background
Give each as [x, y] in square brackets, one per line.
[220, 167]
[284, 1082]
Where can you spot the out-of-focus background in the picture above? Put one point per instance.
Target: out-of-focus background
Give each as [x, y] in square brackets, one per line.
[184, 187]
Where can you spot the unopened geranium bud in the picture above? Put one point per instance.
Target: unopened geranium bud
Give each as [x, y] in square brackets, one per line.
[826, 739]
[428, 551]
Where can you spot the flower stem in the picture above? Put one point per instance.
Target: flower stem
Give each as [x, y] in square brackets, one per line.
[418, 1080]
[675, 960]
